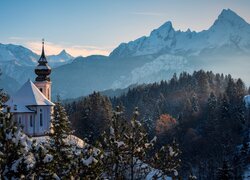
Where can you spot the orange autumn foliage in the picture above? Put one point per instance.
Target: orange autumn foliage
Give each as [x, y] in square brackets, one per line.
[165, 123]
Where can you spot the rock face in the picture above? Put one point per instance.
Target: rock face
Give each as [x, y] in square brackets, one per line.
[228, 30]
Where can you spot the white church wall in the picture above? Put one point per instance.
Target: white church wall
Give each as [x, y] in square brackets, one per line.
[42, 125]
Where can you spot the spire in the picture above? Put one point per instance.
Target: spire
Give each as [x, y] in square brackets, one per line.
[43, 57]
[42, 70]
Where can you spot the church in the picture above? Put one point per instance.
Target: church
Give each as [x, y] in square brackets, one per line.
[31, 105]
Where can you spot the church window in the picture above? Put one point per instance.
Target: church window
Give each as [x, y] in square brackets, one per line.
[31, 121]
[41, 89]
[19, 119]
[41, 117]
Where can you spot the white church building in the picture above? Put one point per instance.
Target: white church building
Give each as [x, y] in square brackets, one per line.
[31, 105]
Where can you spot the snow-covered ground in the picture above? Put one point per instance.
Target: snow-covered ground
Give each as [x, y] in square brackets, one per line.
[71, 139]
[246, 175]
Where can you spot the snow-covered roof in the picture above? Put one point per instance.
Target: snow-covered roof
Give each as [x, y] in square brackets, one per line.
[27, 95]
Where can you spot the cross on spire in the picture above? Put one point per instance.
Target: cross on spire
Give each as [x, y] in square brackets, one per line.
[43, 58]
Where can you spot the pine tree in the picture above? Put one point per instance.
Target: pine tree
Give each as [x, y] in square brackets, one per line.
[113, 146]
[15, 159]
[60, 147]
[89, 162]
[90, 116]
[167, 160]
[225, 172]
[137, 147]
[43, 168]
[125, 147]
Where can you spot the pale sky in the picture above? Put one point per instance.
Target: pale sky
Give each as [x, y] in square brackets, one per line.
[86, 27]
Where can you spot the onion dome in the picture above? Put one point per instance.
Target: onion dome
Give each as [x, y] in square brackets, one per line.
[43, 70]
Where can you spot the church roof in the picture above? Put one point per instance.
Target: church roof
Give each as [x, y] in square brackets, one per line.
[28, 95]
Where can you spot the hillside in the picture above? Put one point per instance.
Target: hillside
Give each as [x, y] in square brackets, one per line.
[203, 111]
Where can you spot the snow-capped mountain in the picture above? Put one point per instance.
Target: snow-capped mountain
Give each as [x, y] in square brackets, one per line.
[20, 54]
[62, 58]
[18, 62]
[229, 30]
[156, 70]
[148, 59]
[25, 57]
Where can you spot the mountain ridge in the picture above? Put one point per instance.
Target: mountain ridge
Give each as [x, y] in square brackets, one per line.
[223, 48]
[166, 39]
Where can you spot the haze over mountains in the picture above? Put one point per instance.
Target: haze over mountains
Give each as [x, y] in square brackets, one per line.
[223, 48]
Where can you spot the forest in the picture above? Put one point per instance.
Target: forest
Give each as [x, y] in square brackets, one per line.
[194, 126]
[203, 112]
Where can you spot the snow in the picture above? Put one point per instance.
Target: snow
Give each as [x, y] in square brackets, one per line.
[154, 172]
[247, 101]
[71, 139]
[27, 95]
[156, 70]
[48, 158]
[89, 161]
[228, 29]
[15, 165]
[171, 151]
[30, 161]
[111, 130]
[56, 177]
[153, 140]
[246, 174]
[119, 143]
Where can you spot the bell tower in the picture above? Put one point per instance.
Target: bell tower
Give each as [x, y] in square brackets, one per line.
[43, 71]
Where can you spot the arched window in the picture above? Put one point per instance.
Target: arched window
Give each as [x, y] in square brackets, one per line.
[31, 121]
[41, 89]
[48, 93]
[19, 119]
[41, 117]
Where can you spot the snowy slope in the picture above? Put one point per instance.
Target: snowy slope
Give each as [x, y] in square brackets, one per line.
[228, 30]
[62, 58]
[20, 54]
[25, 57]
[156, 70]
[71, 139]
[18, 62]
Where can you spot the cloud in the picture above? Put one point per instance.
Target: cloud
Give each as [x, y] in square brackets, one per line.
[75, 50]
[54, 48]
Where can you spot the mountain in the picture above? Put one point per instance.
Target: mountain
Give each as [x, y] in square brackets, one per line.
[20, 54]
[62, 58]
[9, 84]
[24, 56]
[223, 48]
[229, 30]
[18, 62]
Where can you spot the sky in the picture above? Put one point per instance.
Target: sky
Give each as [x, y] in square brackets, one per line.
[87, 27]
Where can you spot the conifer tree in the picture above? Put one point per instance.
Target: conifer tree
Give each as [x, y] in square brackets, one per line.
[14, 148]
[225, 172]
[113, 146]
[43, 167]
[60, 147]
[137, 147]
[89, 162]
[167, 160]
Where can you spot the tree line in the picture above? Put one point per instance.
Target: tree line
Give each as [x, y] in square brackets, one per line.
[204, 112]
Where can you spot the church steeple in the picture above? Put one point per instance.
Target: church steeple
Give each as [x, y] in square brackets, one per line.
[43, 57]
[42, 70]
